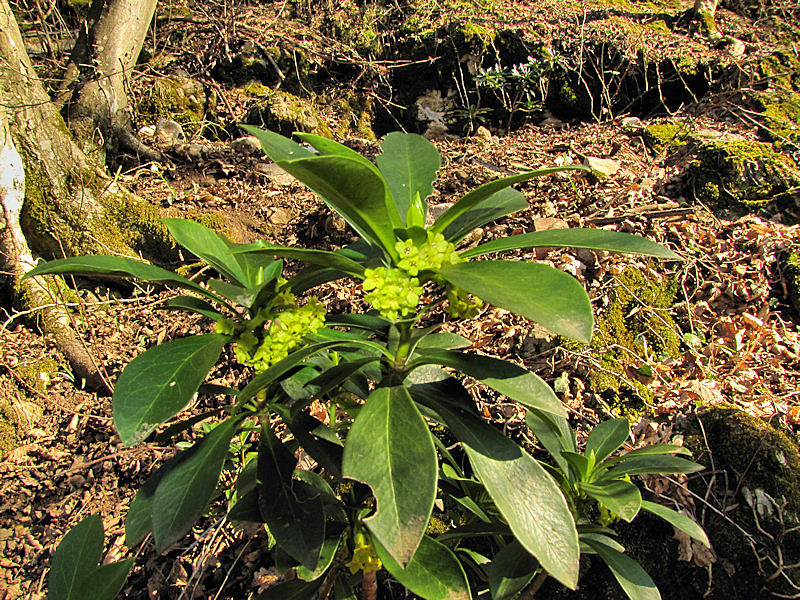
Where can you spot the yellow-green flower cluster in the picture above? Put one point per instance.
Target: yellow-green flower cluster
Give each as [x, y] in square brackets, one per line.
[282, 335]
[392, 291]
[435, 253]
[364, 557]
[395, 292]
[461, 304]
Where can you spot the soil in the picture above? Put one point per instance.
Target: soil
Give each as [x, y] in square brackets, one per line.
[736, 320]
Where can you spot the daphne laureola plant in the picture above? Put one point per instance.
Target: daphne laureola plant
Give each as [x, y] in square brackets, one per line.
[389, 383]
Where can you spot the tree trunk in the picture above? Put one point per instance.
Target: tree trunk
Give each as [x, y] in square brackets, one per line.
[70, 205]
[95, 80]
[704, 11]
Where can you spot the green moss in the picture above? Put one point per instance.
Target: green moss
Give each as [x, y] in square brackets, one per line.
[628, 332]
[39, 373]
[742, 174]
[9, 438]
[747, 454]
[666, 136]
[286, 113]
[181, 99]
[791, 274]
[354, 116]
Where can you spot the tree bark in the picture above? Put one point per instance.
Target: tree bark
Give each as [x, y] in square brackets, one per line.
[704, 11]
[95, 80]
[68, 205]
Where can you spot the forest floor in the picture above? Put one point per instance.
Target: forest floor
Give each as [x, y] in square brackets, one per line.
[733, 327]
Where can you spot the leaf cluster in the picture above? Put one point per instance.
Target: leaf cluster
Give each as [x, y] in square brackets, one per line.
[384, 381]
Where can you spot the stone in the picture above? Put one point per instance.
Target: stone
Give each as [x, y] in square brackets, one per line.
[247, 146]
[286, 113]
[181, 99]
[169, 132]
[275, 174]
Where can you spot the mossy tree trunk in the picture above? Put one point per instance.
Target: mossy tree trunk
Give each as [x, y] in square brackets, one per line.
[94, 82]
[704, 11]
[70, 204]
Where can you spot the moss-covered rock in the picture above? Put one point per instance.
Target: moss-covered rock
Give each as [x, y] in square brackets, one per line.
[756, 486]
[666, 136]
[791, 273]
[285, 113]
[729, 172]
[627, 333]
[181, 99]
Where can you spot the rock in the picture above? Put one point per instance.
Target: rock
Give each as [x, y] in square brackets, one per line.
[275, 174]
[169, 132]
[601, 167]
[433, 109]
[482, 133]
[756, 468]
[181, 99]
[285, 113]
[247, 146]
[740, 175]
[632, 124]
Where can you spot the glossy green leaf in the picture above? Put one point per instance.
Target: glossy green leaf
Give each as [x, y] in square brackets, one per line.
[600, 538]
[653, 449]
[593, 239]
[246, 509]
[327, 553]
[351, 189]
[184, 492]
[409, 164]
[237, 294]
[334, 260]
[262, 380]
[621, 497]
[538, 292]
[634, 580]
[434, 572]
[159, 383]
[651, 465]
[78, 553]
[606, 437]
[390, 449]
[193, 304]
[276, 146]
[443, 340]
[478, 195]
[678, 520]
[138, 521]
[114, 266]
[554, 433]
[510, 571]
[509, 379]
[343, 589]
[332, 378]
[579, 463]
[525, 494]
[208, 245]
[496, 206]
[105, 582]
[292, 510]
